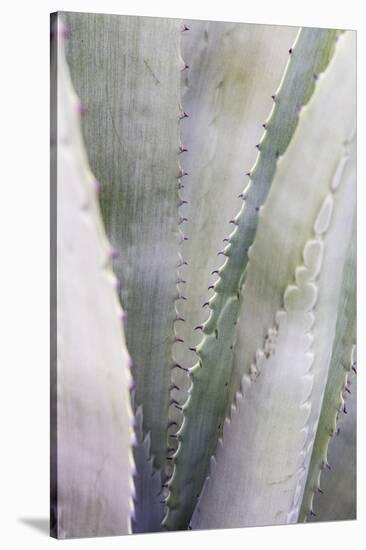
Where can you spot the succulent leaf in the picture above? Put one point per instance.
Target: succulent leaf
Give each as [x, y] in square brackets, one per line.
[199, 433]
[259, 479]
[149, 507]
[127, 72]
[92, 461]
[339, 377]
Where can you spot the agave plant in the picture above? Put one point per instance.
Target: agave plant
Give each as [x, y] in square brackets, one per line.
[243, 351]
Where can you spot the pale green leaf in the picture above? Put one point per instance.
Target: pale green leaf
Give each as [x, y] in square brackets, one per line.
[258, 473]
[92, 458]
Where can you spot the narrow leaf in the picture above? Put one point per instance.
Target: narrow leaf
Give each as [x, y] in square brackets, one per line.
[92, 462]
[127, 72]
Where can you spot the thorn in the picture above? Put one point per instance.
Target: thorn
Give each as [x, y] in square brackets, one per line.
[182, 149]
[181, 298]
[338, 431]
[264, 126]
[182, 263]
[347, 390]
[257, 209]
[258, 146]
[226, 240]
[176, 339]
[172, 423]
[97, 186]
[273, 97]
[241, 196]
[312, 513]
[182, 368]
[179, 407]
[320, 491]
[183, 115]
[181, 282]
[81, 109]
[174, 387]
[182, 173]
[221, 253]
[185, 28]
[206, 304]
[113, 253]
[216, 272]
[234, 222]
[354, 368]
[183, 220]
[185, 67]
[168, 458]
[328, 466]
[248, 174]
[193, 349]
[344, 409]
[183, 202]
[290, 51]
[179, 319]
[316, 76]
[174, 436]
[198, 327]
[298, 108]
[211, 287]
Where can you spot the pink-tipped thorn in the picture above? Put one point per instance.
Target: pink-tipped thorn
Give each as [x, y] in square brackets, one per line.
[113, 253]
[185, 28]
[81, 109]
[179, 319]
[182, 149]
[185, 67]
[183, 115]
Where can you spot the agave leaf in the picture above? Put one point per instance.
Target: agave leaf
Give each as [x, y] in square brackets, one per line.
[203, 421]
[149, 506]
[233, 69]
[92, 465]
[127, 72]
[339, 484]
[258, 473]
[339, 500]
